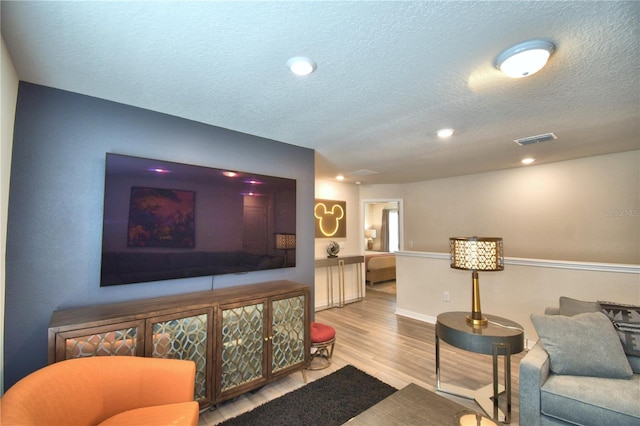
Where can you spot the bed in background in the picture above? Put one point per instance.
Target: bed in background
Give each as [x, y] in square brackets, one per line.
[379, 267]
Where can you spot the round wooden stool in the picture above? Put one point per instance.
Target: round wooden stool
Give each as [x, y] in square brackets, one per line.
[323, 338]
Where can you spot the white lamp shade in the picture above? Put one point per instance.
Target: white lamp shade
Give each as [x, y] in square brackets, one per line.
[370, 233]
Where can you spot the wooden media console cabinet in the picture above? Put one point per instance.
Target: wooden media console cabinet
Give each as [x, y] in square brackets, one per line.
[240, 338]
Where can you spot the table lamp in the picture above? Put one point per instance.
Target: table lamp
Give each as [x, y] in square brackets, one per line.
[370, 235]
[476, 254]
[285, 242]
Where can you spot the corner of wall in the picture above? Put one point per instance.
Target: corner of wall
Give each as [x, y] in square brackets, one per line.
[9, 95]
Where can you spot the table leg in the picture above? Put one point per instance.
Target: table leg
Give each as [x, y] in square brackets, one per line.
[329, 287]
[506, 349]
[359, 280]
[507, 381]
[495, 381]
[437, 361]
[487, 396]
[341, 283]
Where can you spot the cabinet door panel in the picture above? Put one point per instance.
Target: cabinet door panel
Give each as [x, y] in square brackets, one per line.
[184, 336]
[241, 345]
[119, 339]
[288, 331]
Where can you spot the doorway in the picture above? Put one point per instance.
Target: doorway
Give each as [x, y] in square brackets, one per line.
[383, 232]
[383, 225]
[256, 219]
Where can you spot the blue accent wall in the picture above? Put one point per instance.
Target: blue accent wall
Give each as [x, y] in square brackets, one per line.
[56, 197]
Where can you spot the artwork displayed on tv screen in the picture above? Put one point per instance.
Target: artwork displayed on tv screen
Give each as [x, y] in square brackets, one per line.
[164, 220]
[161, 218]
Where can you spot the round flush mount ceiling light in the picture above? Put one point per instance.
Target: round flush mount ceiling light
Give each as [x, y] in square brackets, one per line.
[445, 133]
[528, 160]
[524, 59]
[301, 65]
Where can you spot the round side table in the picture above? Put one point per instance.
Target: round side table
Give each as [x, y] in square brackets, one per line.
[499, 337]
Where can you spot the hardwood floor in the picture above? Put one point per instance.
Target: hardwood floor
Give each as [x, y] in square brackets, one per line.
[395, 349]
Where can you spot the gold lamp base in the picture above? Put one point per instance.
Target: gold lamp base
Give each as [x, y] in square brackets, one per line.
[477, 321]
[476, 318]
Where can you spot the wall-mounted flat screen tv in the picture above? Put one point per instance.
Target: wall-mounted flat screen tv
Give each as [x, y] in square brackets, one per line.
[166, 220]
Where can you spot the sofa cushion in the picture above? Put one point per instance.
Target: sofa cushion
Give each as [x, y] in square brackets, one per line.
[571, 307]
[582, 345]
[626, 320]
[591, 400]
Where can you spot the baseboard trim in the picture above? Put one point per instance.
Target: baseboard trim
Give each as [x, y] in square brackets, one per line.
[542, 263]
[414, 315]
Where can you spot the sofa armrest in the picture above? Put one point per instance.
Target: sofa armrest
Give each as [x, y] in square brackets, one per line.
[91, 390]
[166, 381]
[534, 371]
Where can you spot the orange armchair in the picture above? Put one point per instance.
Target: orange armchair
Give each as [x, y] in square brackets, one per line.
[104, 390]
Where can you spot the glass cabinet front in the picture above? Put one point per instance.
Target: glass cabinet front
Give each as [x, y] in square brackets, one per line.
[118, 339]
[184, 338]
[242, 345]
[288, 330]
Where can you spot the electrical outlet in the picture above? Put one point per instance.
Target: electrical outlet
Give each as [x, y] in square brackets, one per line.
[445, 296]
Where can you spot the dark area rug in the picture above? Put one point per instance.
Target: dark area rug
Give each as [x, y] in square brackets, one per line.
[331, 400]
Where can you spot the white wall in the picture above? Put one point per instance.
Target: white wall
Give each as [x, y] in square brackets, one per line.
[583, 215]
[525, 286]
[352, 244]
[584, 210]
[9, 94]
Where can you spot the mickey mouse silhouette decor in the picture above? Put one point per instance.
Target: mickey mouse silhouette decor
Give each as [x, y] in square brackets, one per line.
[331, 219]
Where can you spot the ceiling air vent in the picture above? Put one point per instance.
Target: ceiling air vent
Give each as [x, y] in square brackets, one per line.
[536, 139]
[362, 172]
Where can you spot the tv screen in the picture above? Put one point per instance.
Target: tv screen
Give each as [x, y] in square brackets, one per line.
[164, 220]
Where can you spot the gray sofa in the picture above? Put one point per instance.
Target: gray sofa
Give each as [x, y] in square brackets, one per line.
[597, 390]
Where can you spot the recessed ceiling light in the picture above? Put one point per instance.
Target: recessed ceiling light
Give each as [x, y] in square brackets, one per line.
[229, 174]
[525, 59]
[301, 65]
[340, 177]
[528, 160]
[445, 133]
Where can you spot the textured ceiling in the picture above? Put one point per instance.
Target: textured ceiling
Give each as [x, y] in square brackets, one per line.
[389, 75]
